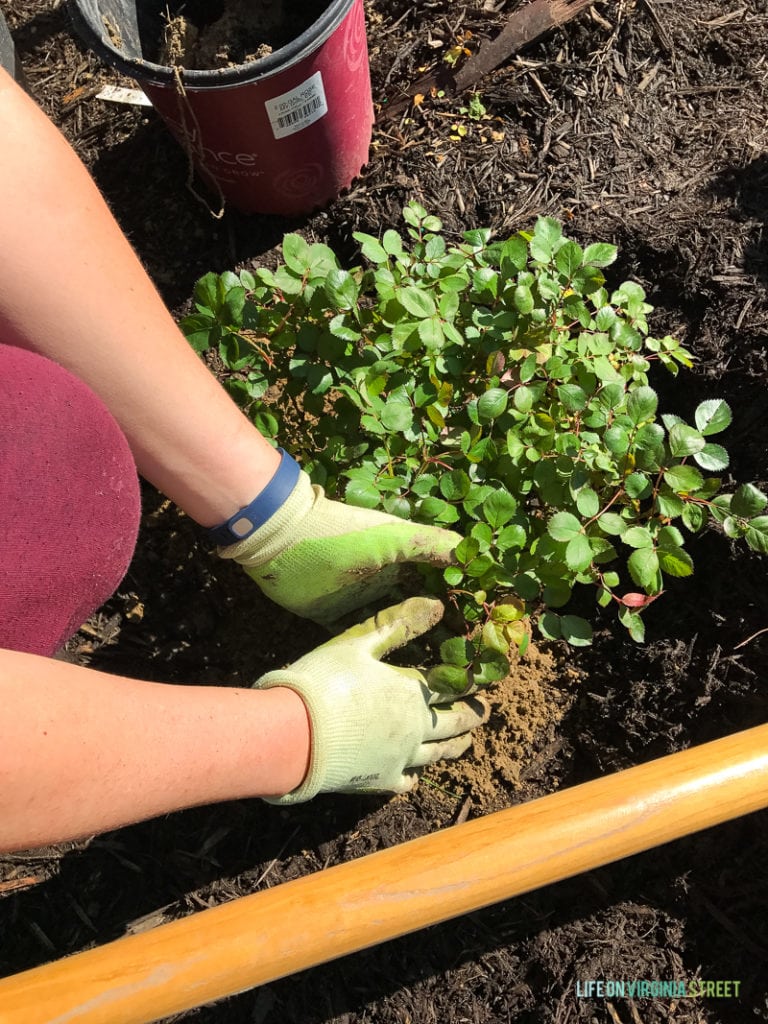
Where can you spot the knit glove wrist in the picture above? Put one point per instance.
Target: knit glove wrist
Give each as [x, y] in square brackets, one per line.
[323, 559]
[373, 724]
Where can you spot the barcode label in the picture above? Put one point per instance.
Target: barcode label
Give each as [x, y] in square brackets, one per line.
[298, 108]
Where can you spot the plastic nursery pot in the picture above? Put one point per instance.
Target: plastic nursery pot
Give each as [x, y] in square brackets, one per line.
[283, 134]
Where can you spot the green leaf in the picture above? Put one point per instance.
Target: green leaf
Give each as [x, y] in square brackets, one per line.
[670, 505]
[370, 247]
[578, 553]
[734, 528]
[483, 534]
[569, 258]
[362, 493]
[492, 404]
[637, 485]
[573, 398]
[605, 318]
[397, 415]
[455, 486]
[523, 398]
[493, 638]
[453, 575]
[450, 679]
[414, 213]
[511, 538]
[546, 236]
[675, 562]
[638, 537]
[612, 524]
[684, 440]
[549, 626]
[587, 502]
[748, 501]
[322, 260]
[457, 651]
[712, 457]
[431, 333]
[683, 479]
[209, 292]
[467, 549]
[492, 667]
[397, 505]
[498, 508]
[392, 242]
[296, 253]
[556, 593]
[693, 517]
[563, 526]
[633, 622]
[198, 328]
[642, 404]
[649, 445]
[712, 416]
[757, 534]
[479, 566]
[600, 254]
[341, 288]
[587, 280]
[522, 299]
[438, 511]
[514, 255]
[417, 302]
[643, 566]
[616, 439]
[575, 630]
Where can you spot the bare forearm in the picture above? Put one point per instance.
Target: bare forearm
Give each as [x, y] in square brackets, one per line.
[73, 289]
[83, 751]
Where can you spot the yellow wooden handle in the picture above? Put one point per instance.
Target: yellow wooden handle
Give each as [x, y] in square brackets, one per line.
[317, 918]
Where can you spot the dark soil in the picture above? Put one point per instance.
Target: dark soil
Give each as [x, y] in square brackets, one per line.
[206, 36]
[644, 123]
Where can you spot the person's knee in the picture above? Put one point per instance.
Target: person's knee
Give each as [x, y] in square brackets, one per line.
[70, 499]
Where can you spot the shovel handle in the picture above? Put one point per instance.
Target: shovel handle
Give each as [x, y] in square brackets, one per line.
[279, 931]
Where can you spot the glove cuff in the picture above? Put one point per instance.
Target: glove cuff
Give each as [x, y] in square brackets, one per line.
[335, 740]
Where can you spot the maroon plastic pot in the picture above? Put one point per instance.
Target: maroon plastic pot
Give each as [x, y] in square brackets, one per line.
[284, 134]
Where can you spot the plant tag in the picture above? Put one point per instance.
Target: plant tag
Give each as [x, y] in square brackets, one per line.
[298, 108]
[119, 94]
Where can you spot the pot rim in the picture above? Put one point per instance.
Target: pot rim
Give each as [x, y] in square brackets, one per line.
[87, 20]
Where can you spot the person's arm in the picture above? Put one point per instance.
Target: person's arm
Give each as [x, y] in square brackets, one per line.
[73, 289]
[83, 751]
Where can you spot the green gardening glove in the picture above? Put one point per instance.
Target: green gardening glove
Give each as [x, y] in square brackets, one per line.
[373, 724]
[323, 559]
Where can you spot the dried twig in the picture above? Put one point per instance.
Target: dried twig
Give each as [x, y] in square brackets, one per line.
[751, 638]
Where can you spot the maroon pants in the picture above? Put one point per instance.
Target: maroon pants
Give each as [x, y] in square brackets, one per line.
[69, 503]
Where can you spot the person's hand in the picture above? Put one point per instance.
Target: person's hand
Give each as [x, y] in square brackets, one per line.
[323, 559]
[372, 725]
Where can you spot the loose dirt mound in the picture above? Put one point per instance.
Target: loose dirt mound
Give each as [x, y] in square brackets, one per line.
[521, 742]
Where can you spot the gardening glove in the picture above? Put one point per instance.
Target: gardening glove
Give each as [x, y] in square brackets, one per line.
[372, 724]
[323, 559]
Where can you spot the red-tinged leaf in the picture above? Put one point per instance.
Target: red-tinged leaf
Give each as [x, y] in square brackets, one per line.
[637, 600]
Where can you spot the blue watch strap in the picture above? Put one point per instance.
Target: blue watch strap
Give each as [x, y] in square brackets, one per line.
[245, 522]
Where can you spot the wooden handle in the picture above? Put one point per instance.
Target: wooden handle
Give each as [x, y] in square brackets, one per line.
[317, 918]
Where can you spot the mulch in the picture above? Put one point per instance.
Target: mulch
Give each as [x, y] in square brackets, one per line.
[643, 123]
